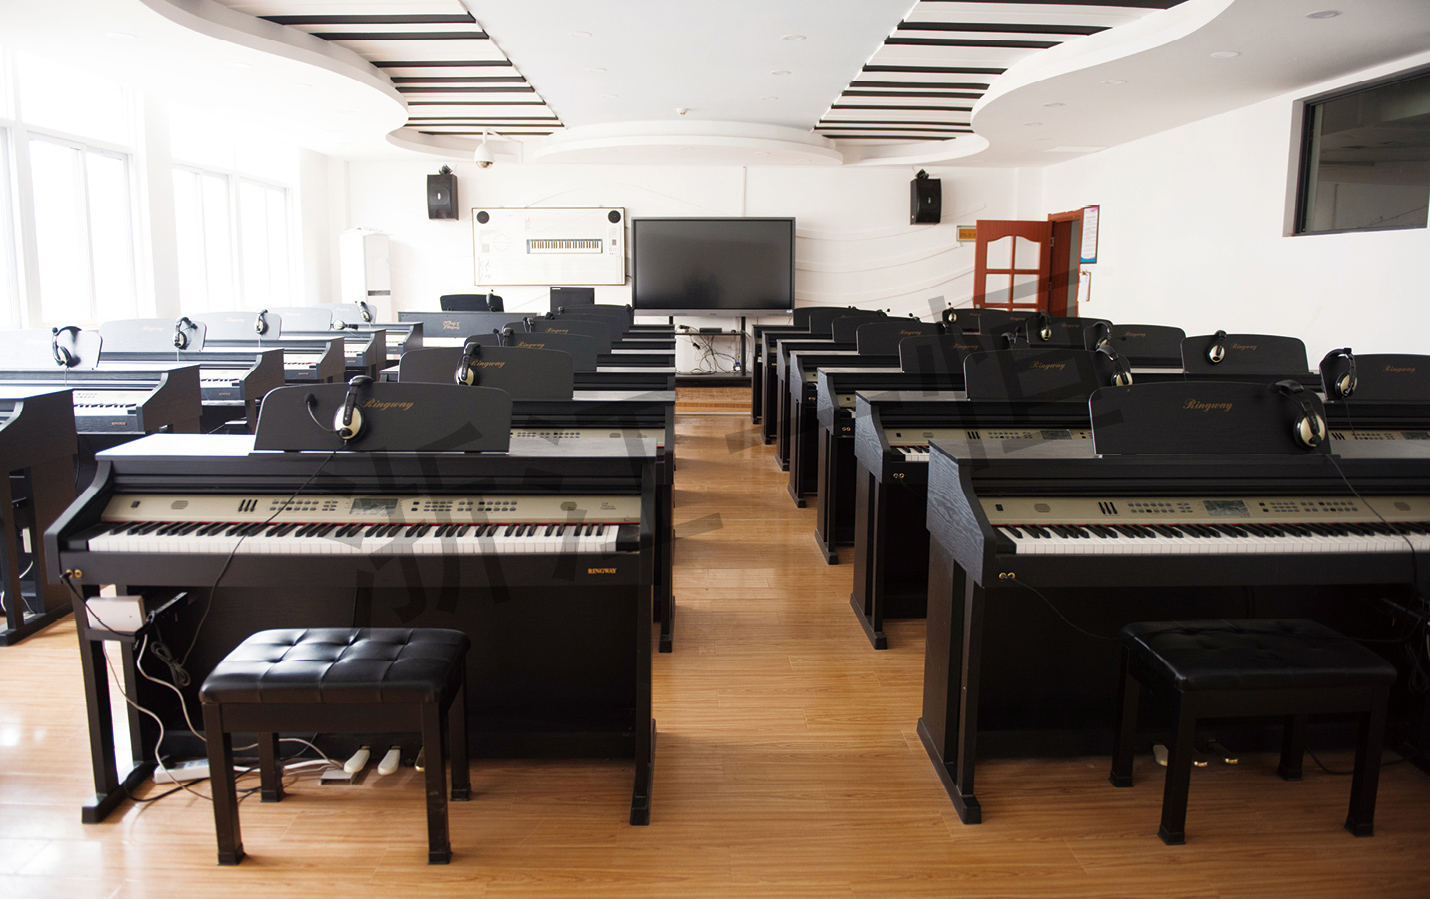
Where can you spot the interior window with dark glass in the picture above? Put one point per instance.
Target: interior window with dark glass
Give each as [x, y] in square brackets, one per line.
[1365, 161]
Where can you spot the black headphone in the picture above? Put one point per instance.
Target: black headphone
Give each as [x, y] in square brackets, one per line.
[1099, 335]
[181, 327]
[1310, 427]
[1044, 324]
[260, 324]
[63, 357]
[949, 315]
[1217, 351]
[1340, 386]
[347, 424]
[1121, 373]
[1010, 339]
[365, 311]
[466, 369]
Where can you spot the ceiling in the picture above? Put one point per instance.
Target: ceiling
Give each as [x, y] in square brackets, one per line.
[813, 82]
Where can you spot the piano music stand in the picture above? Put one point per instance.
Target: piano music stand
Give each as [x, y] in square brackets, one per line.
[881, 338]
[33, 349]
[397, 418]
[524, 373]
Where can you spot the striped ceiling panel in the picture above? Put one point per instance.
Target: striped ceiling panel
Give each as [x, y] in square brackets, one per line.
[456, 80]
[922, 83]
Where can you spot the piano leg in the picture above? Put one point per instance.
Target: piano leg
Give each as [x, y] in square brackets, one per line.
[110, 789]
[870, 526]
[825, 519]
[949, 722]
[664, 554]
[643, 725]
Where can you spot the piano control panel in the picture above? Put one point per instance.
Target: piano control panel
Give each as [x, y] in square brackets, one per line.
[921, 436]
[109, 399]
[374, 509]
[1200, 510]
[554, 434]
[1378, 434]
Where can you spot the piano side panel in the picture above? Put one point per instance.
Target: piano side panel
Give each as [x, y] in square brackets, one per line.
[953, 519]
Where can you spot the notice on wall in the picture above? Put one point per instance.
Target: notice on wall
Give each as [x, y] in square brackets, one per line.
[1088, 254]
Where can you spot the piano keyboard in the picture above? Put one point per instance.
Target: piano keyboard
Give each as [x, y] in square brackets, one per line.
[109, 399]
[1211, 526]
[367, 525]
[916, 449]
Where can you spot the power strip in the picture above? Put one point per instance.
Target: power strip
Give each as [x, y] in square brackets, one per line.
[182, 772]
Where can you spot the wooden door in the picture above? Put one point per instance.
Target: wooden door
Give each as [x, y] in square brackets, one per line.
[1065, 263]
[1012, 265]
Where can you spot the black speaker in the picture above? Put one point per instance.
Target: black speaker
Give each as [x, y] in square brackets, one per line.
[925, 199]
[442, 195]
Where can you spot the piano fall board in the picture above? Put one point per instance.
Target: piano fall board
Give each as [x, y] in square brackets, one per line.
[543, 555]
[1111, 539]
[231, 382]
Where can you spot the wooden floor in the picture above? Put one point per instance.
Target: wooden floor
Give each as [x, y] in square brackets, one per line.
[787, 765]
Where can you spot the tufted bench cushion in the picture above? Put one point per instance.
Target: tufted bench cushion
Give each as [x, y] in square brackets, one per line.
[1258, 654]
[338, 664]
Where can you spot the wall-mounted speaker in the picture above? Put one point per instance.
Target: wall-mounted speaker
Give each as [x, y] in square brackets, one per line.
[442, 195]
[925, 199]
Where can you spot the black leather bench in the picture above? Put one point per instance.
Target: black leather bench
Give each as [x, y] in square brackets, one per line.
[338, 680]
[1281, 666]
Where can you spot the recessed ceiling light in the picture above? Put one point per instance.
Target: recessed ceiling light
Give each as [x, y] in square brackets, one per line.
[238, 65]
[1324, 14]
[596, 70]
[1114, 81]
[1053, 105]
[793, 37]
[685, 149]
[1032, 124]
[1225, 54]
[780, 72]
[119, 35]
[610, 96]
[580, 34]
[300, 85]
[769, 98]
[762, 152]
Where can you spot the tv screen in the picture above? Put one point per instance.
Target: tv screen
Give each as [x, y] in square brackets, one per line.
[712, 264]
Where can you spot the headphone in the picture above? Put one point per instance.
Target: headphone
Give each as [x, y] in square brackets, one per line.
[260, 324]
[1100, 336]
[1010, 339]
[1343, 385]
[467, 372]
[1217, 351]
[347, 424]
[1121, 373]
[63, 357]
[181, 327]
[949, 315]
[1310, 427]
[1044, 323]
[365, 311]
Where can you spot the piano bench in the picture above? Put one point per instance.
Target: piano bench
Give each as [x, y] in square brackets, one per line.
[1288, 667]
[338, 680]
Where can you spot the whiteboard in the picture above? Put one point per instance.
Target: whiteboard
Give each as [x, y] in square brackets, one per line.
[564, 246]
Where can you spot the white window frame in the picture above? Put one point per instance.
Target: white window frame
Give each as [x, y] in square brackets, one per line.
[234, 181]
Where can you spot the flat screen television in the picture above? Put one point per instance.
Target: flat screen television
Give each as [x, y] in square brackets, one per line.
[712, 265]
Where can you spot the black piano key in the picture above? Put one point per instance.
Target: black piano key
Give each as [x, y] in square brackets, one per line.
[1012, 530]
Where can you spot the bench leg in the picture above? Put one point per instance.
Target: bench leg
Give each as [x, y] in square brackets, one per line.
[1173, 830]
[270, 769]
[439, 846]
[1293, 748]
[1126, 732]
[1364, 782]
[219, 744]
[457, 734]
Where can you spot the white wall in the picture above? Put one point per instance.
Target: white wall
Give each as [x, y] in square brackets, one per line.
[854, 243]
[1194, 233]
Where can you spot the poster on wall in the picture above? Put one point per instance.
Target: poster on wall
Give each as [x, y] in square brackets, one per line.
[1089, 235]
[549, 246]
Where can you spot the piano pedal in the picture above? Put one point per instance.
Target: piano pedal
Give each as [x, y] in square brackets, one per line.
[358, 761]
[1220, 752]
[420, 763]
[390, 761]
[1159, 753]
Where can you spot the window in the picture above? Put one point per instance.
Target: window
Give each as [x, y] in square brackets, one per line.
[1365, 158]
[83, 226]
[9, 269]
[233, 242]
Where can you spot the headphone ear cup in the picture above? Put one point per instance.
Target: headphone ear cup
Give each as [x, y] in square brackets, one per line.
[1217, 351]
[353, 426]
[1310, 429]
[181, 340]
[63, 356]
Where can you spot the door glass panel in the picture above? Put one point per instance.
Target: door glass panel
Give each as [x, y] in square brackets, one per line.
[1028, 254]
[1025, 288]
[1000, 253]
[998, 290]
